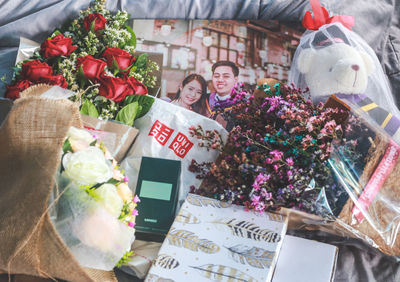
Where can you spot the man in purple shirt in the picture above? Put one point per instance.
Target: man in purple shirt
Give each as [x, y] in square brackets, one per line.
[224, 78]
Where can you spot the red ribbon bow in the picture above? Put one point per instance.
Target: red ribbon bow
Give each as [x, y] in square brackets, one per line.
[321, 17]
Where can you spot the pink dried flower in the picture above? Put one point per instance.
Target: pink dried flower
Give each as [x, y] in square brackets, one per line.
[277, 155]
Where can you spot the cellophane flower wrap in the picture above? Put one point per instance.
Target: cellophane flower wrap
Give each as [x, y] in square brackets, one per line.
[94, 56]
[364, 197]
[275, 155]
[94, 210]
[339, 67]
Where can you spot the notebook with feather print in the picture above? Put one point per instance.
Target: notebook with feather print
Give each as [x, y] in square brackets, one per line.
[215, 241]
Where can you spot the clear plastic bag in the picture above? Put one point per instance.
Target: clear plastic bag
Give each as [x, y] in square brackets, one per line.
[334, 60]
[95, 238]
[364, 197]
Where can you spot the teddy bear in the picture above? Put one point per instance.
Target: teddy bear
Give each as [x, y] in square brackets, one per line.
[337, 68]
[333, 66]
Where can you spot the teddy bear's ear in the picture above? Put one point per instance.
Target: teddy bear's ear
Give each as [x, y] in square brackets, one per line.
[369, 64]
[304, 60]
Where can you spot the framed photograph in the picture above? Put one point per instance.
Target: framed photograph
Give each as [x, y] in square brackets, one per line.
[191, 48]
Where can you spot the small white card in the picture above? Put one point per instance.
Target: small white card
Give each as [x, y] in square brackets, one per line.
[215, 241]
[303, 260]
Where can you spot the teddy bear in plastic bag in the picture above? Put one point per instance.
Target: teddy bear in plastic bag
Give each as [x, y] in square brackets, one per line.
[334, 60]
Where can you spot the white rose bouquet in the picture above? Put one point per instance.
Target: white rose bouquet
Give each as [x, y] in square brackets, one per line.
[95, 210]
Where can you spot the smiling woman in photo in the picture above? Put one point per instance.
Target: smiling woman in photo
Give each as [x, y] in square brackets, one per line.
[192, 94]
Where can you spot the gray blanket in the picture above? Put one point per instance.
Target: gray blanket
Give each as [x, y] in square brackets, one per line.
[378, 22]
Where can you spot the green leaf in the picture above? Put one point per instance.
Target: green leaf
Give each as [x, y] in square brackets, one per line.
[141, 61]
[92, 26]
[129, 99]
[113, 181]
[128, 113]
[145, 102]
[115, 64]
[89, 109]
[132, 41]
[67, 146]
[56, 32]
[140, 110]
[81, 77]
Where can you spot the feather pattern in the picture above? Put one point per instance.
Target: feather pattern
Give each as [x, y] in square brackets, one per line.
[156, 278]
[186, 217]
[188, 240]
[223, 273]
[275, 217]
[204, 202]
[166, 262]
[256, 257]
[245, 229]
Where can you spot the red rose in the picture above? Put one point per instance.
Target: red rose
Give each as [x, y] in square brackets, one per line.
[99, 22]
[34, 70]
[138, 87]
[57, 46]
[114, 88]
[14, 90]
[123, 58]
[57, 79]
[92, 68]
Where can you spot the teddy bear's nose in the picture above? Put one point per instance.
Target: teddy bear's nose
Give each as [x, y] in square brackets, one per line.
[355, 67]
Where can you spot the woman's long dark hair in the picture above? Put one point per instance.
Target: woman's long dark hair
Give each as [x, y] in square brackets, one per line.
[199, 106]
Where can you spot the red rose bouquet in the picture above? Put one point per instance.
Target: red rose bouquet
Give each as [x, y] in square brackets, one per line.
[94, 56]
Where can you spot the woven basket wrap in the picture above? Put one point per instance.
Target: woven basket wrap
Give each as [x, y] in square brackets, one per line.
[31, 142]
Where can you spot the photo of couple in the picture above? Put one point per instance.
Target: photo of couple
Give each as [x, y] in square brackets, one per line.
[201, 60]
[195, 95]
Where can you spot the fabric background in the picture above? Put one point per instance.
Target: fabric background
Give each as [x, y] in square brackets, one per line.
[378, 22]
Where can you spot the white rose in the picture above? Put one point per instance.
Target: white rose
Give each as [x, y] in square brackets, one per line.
[124, 192]
[87, 167]
[79, 138]
[110, 199]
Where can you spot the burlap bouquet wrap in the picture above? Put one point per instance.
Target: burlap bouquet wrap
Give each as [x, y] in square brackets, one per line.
[31, 142]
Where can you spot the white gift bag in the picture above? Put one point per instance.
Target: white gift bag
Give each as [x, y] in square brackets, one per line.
[164, 133]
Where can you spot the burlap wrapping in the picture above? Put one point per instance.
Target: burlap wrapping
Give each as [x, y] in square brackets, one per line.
[30, 148]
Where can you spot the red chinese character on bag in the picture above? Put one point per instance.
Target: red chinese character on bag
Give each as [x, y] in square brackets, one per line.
[161, 132]
[181, 145]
